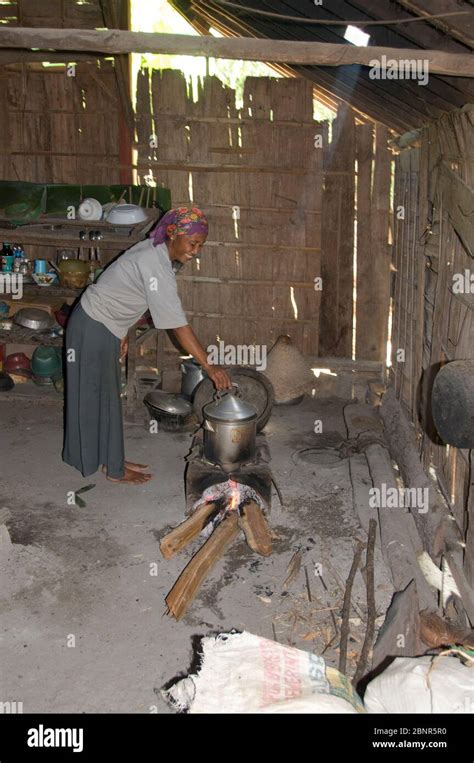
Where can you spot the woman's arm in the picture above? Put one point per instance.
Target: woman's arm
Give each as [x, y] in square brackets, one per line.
[189, 342]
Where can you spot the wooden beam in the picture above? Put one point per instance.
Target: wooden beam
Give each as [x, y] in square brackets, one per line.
[116, 41]
[15, 56]
[461, 28]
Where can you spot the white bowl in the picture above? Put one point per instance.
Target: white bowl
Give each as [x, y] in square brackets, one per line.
[126, 214]
[45, 279]
[90, 209]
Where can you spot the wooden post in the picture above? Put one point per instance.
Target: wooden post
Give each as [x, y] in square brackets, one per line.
[337, 243]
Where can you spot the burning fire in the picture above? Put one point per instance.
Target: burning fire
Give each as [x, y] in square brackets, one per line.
[234, 496]
[230, 494]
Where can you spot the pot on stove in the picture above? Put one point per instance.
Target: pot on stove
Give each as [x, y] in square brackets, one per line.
[230, 428]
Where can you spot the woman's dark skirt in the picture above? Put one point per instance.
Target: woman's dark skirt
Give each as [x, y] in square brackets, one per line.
[93, 432]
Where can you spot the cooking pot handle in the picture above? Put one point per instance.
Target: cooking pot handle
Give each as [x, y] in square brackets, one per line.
[221, 393]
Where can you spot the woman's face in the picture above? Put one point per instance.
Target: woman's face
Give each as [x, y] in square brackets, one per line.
[184, 248]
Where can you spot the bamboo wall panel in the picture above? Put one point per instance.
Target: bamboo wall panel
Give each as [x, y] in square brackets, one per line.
[255, 279]
[432, 322]
[60, 129]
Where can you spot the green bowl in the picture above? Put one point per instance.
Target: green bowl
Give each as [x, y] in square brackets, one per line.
[46, 361]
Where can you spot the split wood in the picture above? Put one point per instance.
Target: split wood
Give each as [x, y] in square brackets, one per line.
[178, 538]
[194, 574]
[255, 526]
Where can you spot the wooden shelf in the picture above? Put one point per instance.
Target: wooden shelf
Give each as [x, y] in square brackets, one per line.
[60, 232]
[20, 335]
[33, 290]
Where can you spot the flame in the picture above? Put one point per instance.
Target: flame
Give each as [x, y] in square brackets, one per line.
[235, 495]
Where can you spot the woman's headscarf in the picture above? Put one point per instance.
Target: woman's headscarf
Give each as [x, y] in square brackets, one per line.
[182, 220]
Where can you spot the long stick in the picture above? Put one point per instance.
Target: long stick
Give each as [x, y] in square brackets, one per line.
[117, 41]
[191, 578]
[369, 634]
[347, 607]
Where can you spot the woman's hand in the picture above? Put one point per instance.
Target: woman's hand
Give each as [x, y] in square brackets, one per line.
[189, 341]
[123, 348]
[219, 377]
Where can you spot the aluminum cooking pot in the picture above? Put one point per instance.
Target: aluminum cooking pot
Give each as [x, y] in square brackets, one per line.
[192, 373]
[230, 428]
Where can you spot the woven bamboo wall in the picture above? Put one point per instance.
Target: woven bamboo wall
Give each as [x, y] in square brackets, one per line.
[256, 277]
[57, 128]
[431, 322]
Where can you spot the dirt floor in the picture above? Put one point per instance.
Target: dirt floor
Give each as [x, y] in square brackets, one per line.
[83, 623]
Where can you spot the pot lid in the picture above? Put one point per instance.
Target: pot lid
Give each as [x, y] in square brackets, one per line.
[168, 402]
[230, 407]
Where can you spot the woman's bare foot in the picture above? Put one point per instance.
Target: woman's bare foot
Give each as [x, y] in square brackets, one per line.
[131, 477]
[135, 467]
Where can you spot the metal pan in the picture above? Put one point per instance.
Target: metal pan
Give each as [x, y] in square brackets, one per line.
[33, 318]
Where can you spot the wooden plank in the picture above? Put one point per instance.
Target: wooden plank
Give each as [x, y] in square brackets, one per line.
[381, 262]
[247, 49]
[338, 239]
[365, 346]
[461, 28]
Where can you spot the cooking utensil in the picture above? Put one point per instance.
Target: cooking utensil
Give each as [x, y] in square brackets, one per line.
[171, 411]
[74, 274]
[90, 209]
[46, 361]
[192, 373]
[255, 388]
[230, 428]
[126, 214]
[41, 266]
[45, 279]
[452, 403]
[18, 363]
[33, 318]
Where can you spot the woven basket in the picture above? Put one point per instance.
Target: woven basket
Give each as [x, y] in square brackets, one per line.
[288, 371]
[74, 280]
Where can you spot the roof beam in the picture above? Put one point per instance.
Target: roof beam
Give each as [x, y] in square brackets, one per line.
[461, 29]
[116, 41]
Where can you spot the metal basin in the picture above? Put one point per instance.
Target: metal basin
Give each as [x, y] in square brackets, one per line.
[33, 318]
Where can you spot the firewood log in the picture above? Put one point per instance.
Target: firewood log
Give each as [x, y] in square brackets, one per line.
[184, 533]
[193, 575]
[256, 529]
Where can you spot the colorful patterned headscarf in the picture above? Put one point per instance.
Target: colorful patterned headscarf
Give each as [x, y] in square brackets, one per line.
[182, 220]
